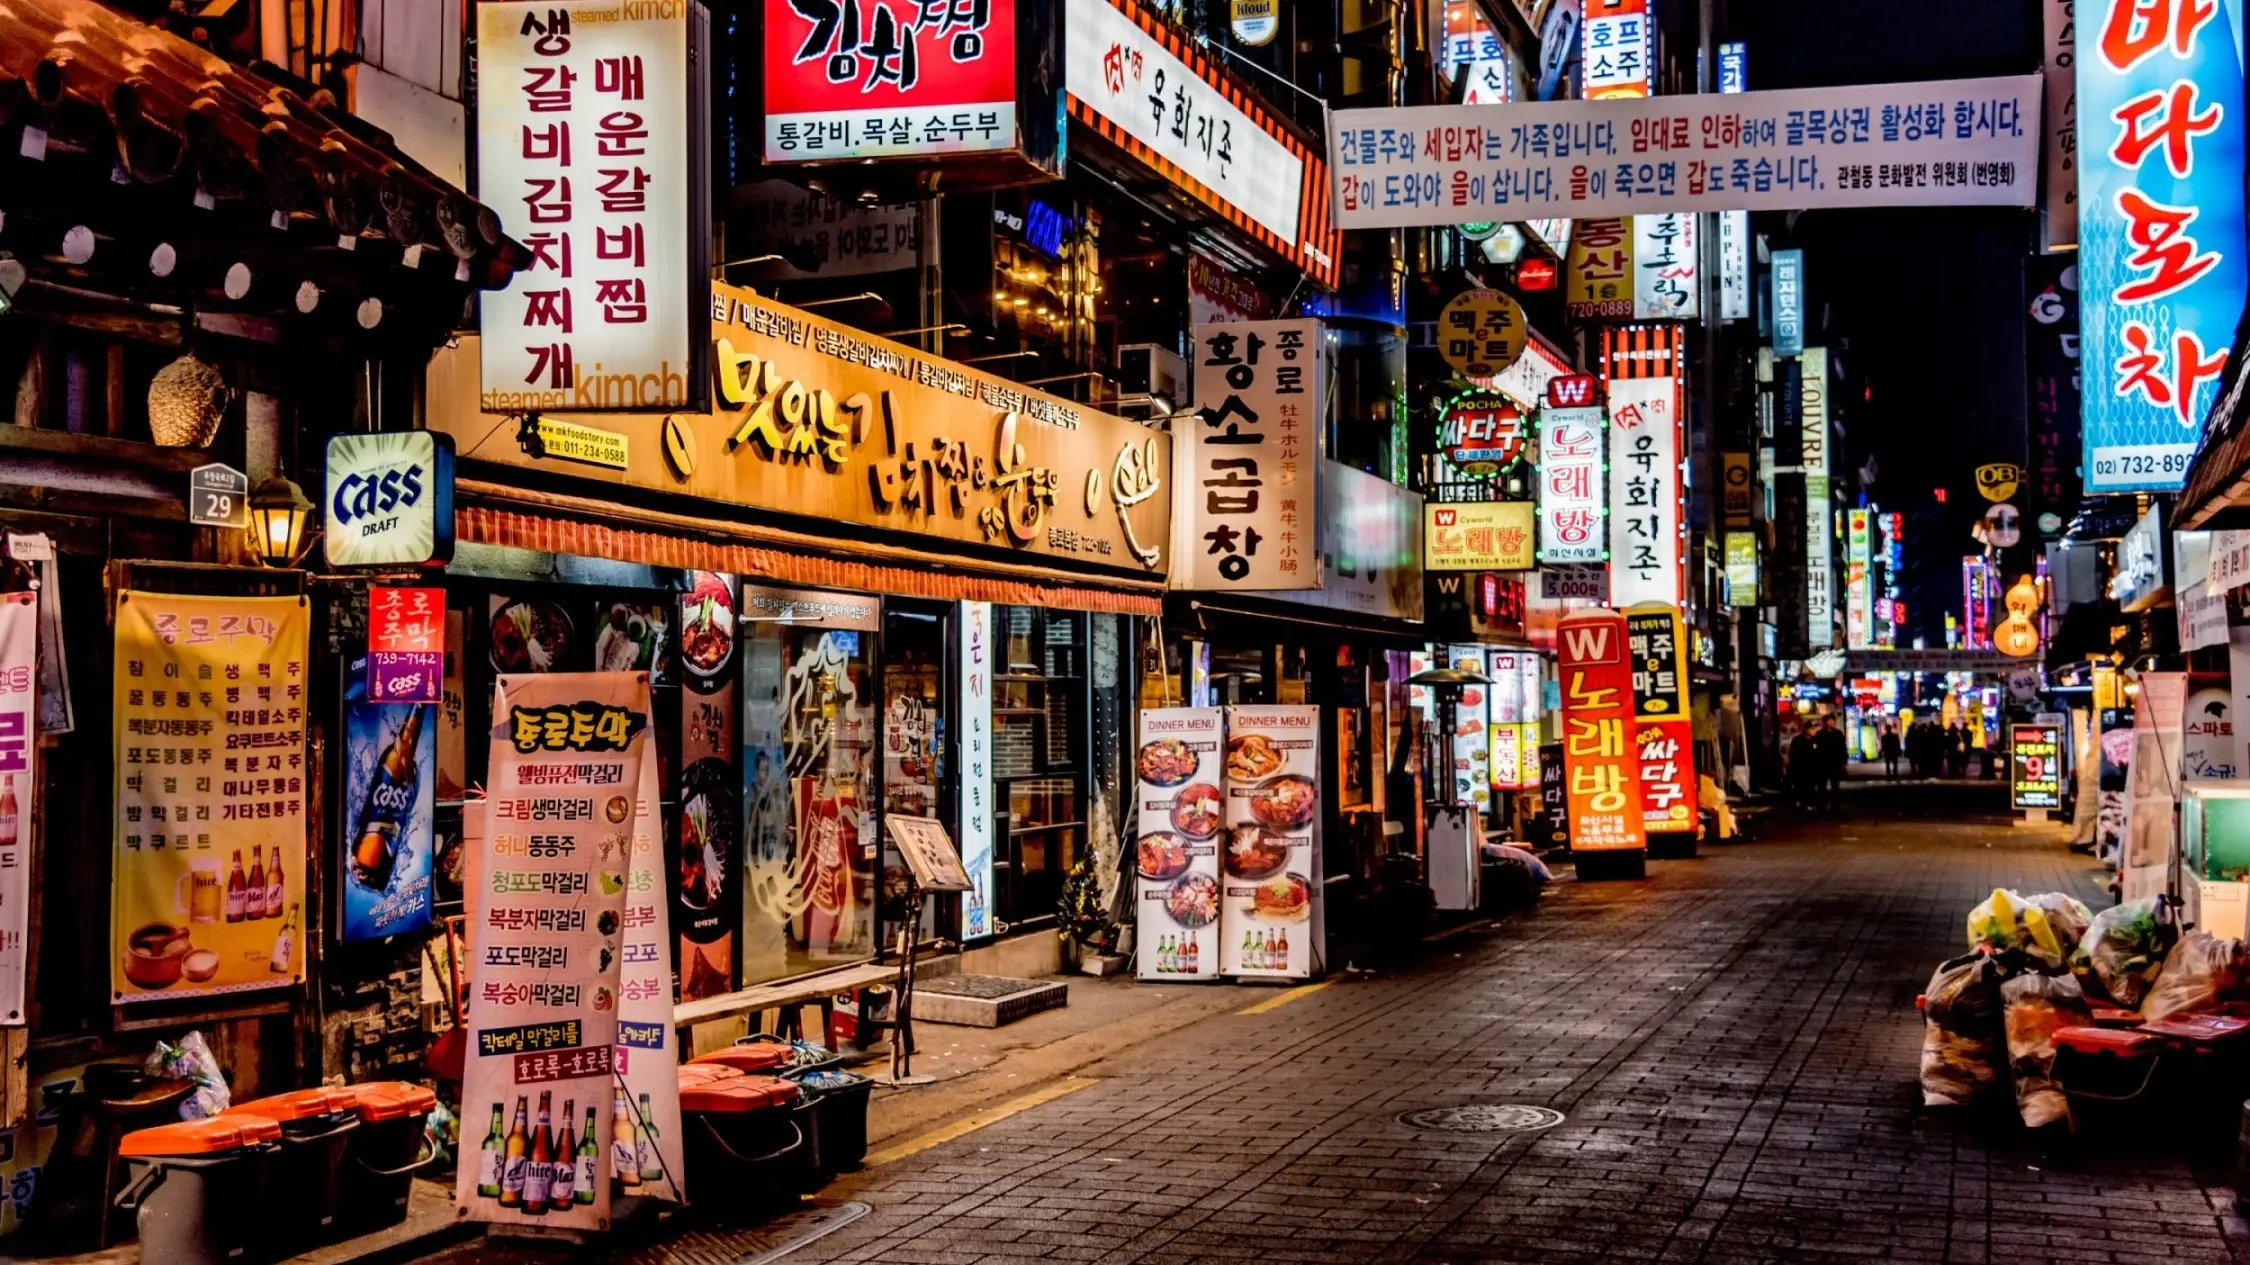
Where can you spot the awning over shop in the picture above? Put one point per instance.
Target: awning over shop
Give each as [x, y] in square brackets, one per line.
[494, 514]
[2219, 478]
[1253, 619]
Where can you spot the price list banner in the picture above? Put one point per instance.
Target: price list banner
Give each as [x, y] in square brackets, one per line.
[545, 979]
[1960, 142]
[209, 732]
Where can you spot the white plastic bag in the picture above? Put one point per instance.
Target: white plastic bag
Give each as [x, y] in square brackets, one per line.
[191, 1059]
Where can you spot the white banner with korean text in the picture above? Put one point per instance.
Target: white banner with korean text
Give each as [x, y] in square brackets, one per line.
[19, 791]
[1960, 142]
[1243, 519]
[1644, 491]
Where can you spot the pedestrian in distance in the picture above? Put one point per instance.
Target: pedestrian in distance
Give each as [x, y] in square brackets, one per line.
[1890, 751]
[1832, 758]
[1956, 750]
[1804, 770]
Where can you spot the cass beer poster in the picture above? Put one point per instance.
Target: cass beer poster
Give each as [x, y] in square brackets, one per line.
[1272, 814]
[389, 811]
[555, 861]
[207, 891]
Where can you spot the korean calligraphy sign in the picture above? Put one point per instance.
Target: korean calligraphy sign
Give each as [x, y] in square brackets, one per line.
[820, 420]
[1647, 497]
[210, 696]
[888, 78]
[582, 148]
[2160, 221]
[556, 876]
[1601, 764]
[1247, 500]
[1667, 271]
[1961, 142]
[1663, 732]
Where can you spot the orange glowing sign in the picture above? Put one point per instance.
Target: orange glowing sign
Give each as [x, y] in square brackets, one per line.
[1601, 765]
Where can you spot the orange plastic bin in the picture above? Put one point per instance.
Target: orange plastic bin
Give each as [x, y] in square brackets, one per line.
[199, 1189]
[316, 1137]
[386, 1152]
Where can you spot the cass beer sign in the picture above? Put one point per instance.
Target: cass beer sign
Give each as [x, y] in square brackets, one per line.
[389, 500]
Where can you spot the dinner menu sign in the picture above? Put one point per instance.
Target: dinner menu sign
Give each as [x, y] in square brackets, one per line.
[545, 976]
[1272, 863]
[1177, 778]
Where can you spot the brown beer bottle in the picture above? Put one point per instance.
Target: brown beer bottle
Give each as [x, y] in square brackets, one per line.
[539, 1176]
[565, 1165]
[237, 891]
[517, 1159]
[254, 895]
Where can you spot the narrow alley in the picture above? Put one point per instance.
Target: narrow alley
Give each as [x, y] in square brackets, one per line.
[1731, 1045]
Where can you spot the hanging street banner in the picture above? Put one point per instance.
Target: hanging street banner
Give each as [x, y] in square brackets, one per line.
[648, 1056]
[19, 791]
[1647, 496]
[553, 867]
[1960, 142]
[1663, 731]
[1601, 768]
[2161, 274]
[1248, 469]
[211, 790]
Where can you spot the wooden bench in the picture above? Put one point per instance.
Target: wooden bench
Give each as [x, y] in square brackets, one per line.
[789, 998]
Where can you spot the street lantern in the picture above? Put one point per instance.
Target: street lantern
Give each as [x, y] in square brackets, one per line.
[278, 513]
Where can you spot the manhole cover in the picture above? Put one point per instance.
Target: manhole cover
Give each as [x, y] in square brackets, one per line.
[1483, 1118]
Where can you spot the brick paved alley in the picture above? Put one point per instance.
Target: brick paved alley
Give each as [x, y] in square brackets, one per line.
[1733, 1046]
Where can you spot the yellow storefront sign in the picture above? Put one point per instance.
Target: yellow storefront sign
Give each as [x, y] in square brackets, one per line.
[207, 892]
[568, 441]
[1481, 536]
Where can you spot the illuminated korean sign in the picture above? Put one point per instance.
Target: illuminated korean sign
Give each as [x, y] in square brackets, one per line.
[582, 148]
[1481, 433]
[1247, 500]
[1478, 536]
[1598, 281]
[2035, 766]
[1571, 486]
[1666, 270]
[1601, 767]
[2160, 221]
[1647, 500]
[1143, 87]
[1859, 586]
[1663, 733]
[1788, 303]
[1619, 44]
[1734, 226]
[1820, 531]
[888, 78]
[1742, 569]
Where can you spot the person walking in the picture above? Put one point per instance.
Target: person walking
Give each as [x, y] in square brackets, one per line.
[1803, 771]
[1956, 750]
[1829, 746]
[1890, 751]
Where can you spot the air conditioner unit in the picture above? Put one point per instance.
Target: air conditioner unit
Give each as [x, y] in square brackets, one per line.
[1153, 369]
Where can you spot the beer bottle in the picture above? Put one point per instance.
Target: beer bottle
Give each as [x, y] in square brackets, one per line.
[539, 1174]
[237, 890]
[589, 1160]
[274, 885]
[566, 1161]
[624, 1145]
[492, 1161]
[390, 798]
[284, 955]
[254, 896]
[10, 815]
[652, 1164]
[517, 1158]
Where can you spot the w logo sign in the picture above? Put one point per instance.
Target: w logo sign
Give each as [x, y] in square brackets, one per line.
[1587, 645]
[1575, 390]
[1592, 637]
[1445, 518]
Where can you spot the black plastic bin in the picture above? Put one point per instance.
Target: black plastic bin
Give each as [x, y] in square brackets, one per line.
[198, 1190]
[316, 1136]
[744, 1142]
[385, 1152]
[837, 1139]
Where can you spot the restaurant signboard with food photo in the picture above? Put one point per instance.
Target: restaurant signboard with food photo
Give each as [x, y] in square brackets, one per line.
[1177, 771]
[1269, 906]
[819, 420]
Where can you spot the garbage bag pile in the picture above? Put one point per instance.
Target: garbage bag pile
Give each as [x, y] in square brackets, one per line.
[2039, 964]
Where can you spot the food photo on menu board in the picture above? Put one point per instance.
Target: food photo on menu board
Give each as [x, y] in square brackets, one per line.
[1179, 827]
[1272, 816]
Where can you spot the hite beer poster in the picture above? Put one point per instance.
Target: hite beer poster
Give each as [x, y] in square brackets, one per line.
[207, 890]
[389, 812]
[539, 1091]
[1271, 889]
[1181, 828]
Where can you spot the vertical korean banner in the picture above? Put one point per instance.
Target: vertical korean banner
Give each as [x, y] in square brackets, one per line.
[707, 892]
[1859, 593]
[389, 809]
[553, 869]
[405, 645]
[582, 146]
[2058, 200]
[1272, 810]
[1601, 774]
[1572, 484]
[1820, 530]
[645, 1151]
[976, 825]
[1646, 493]
[1617, 49]
[1181, 827]
[1667, 271]
[209, 711]
[1663, 731]
[1246, 506]
[2160, 229]
[1599, 271]
[19, 791]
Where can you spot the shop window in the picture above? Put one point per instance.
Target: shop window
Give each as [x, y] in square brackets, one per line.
[1039, 761]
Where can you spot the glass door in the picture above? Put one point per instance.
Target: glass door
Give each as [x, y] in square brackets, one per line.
[915, 737]
[1039, 756]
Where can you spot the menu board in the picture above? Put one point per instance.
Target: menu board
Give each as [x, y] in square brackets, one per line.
[2035, 765]
[388, 808]
[1472, 741]
[1272, 812]
[211, 785]
[1180, 829]
[648, 1056]
[554, 863]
